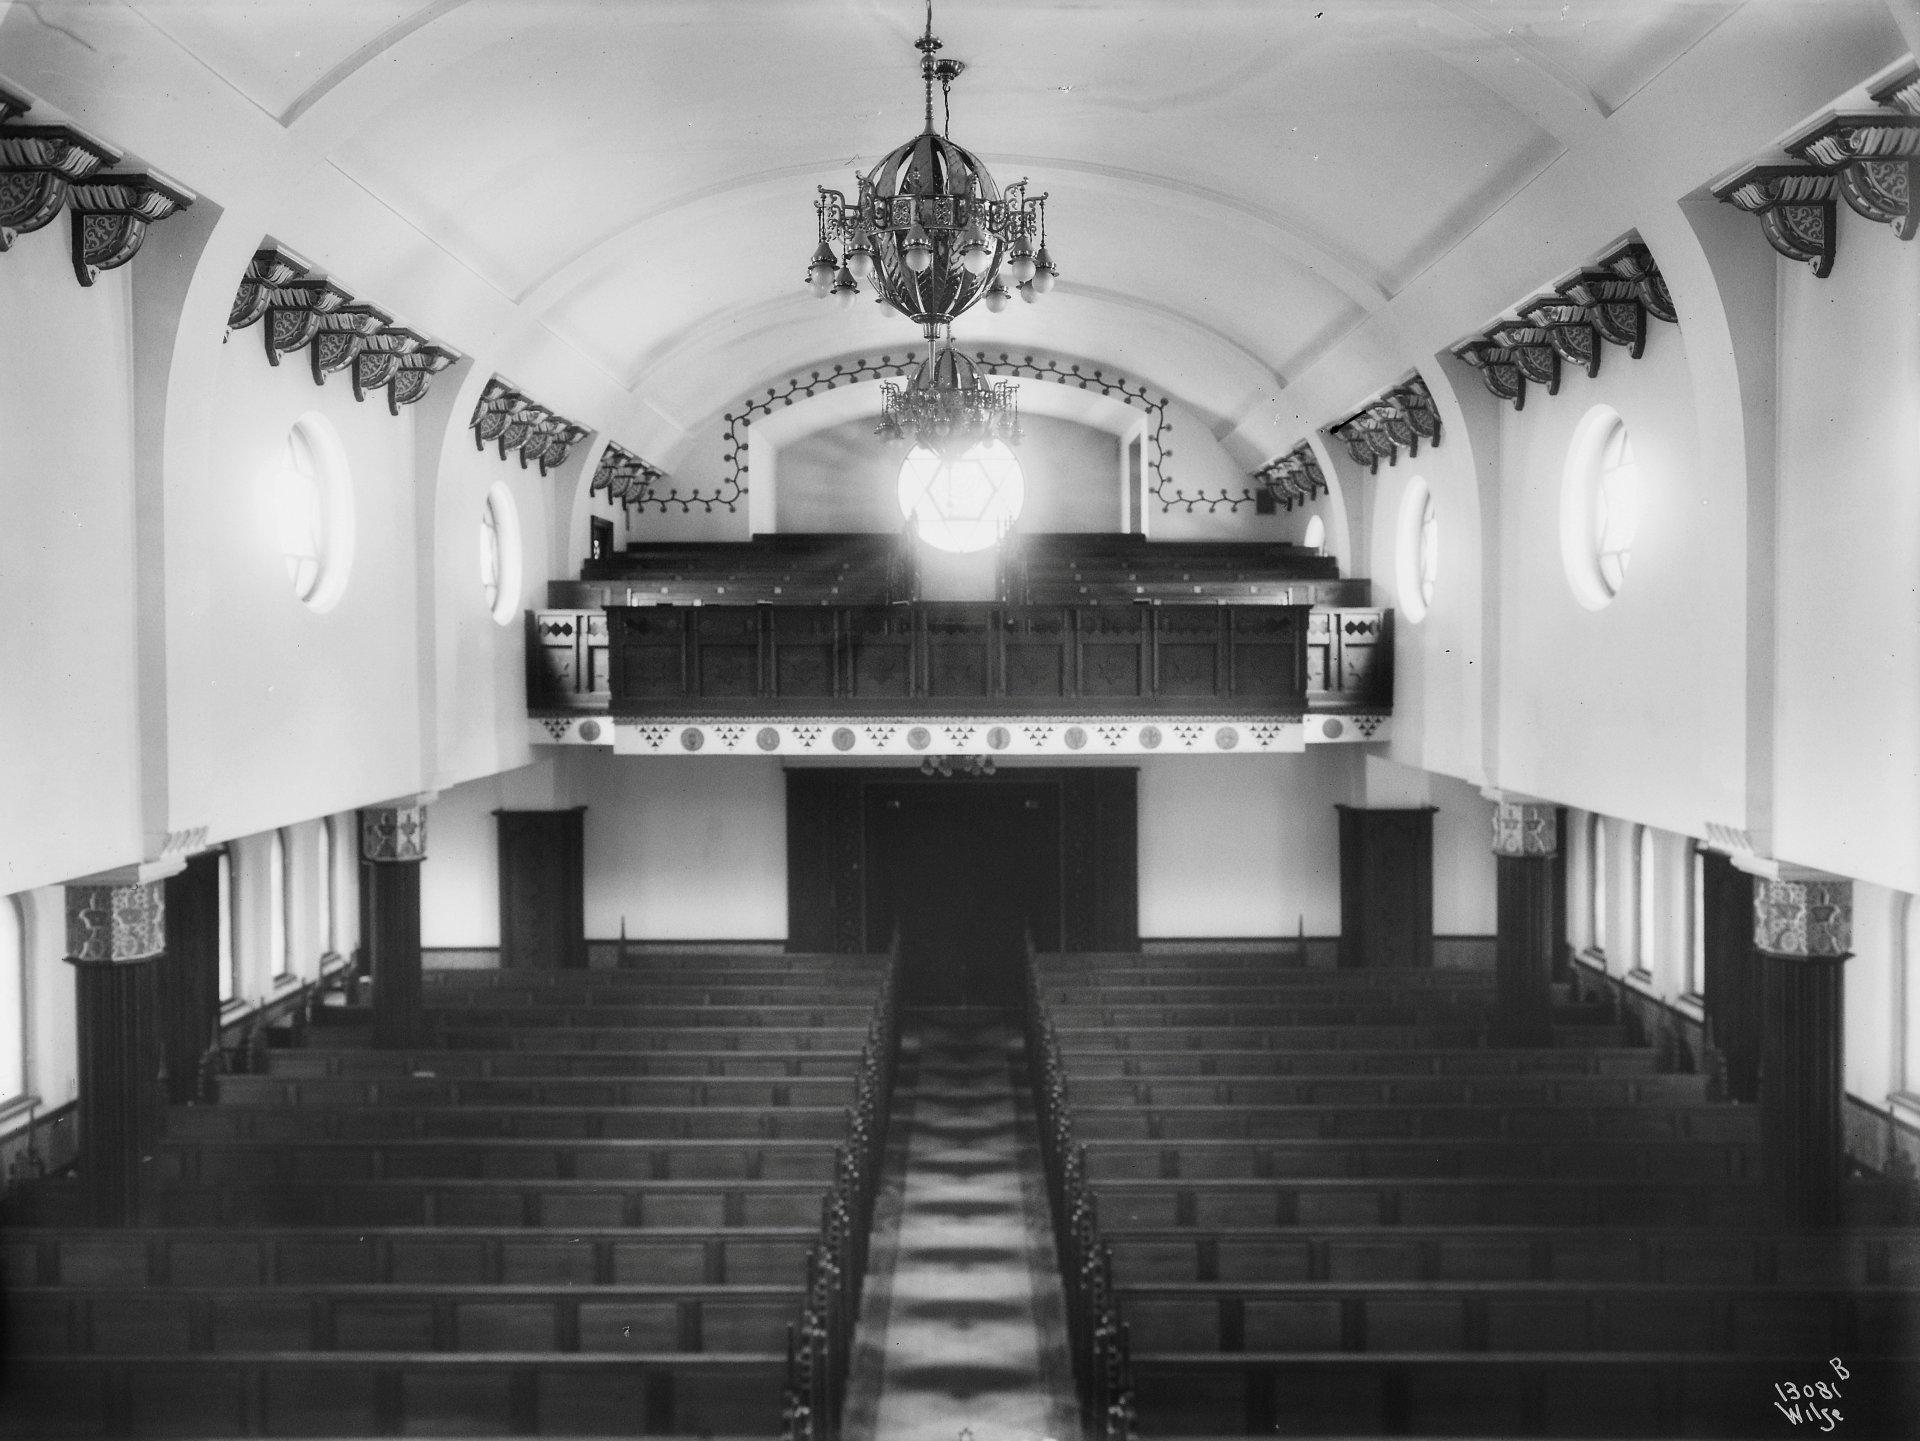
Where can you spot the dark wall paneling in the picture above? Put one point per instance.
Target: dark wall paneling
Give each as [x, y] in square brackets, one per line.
[1386, 886]
[190, 975]
[1100, 840]
[542, 888]
[1732, 980]
[826, 887]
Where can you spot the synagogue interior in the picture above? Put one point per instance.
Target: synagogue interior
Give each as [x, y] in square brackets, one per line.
[1002, 720]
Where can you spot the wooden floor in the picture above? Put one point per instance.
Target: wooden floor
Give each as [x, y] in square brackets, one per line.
[581, 1208]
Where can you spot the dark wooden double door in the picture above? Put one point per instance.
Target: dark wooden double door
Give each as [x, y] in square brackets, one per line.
[963, 869]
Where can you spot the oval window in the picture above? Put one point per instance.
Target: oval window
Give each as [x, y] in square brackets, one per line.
[500, 554]
[1599, 507]
[1416, 550]
[312, 504]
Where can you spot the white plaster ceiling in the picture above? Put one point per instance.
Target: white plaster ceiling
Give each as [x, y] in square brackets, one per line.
[1236, 184]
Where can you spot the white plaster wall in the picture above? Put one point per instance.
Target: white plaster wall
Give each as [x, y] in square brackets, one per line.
[278, 713]
[1637, 709]
[69, 748]
[1868, 1062]
[460, 878]
[1847, 739]
[1463, 864]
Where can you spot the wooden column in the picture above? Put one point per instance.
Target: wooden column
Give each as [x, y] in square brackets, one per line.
[1801, 932]
[1525, 842]
[188, 982]
[393, 842]
[116, 931]
[1386, 886]
[1732, 975]
[543, 908]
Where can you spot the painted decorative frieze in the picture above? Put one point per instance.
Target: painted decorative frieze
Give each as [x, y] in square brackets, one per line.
[1398, 419]
[517, 425]
[1292, 479]
[116, 924]
[625, 477]
[1811, 918]
[394, 833]
[1524, 828]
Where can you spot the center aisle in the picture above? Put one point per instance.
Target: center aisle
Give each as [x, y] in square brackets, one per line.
[963, 1322]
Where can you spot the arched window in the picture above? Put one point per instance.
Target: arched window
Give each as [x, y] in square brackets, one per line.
[1316, 536]
[1597, 882]
[1599, 507]
[328, 889]
[1646, 918]
[964, 504]
[312, 505]
[1696, 978]
[229, 930]
[13, 1001]
[279, 907]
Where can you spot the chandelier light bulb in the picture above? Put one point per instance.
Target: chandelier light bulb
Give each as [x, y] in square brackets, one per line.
[997, 296]
[845, 287]
[1020, 262]
[860, 255]
[820, 271]
[974, 253]
[1044, 271]
[918, 252]
[1027, 293]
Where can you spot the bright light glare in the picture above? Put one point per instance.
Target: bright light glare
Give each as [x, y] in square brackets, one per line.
[965, 504]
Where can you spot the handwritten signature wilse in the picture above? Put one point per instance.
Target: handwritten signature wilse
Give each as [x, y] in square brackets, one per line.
[1798, 1403]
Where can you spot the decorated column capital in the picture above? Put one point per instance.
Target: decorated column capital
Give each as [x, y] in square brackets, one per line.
[1803, 916]
[114, 922]
[1525, 828]
[395, 833]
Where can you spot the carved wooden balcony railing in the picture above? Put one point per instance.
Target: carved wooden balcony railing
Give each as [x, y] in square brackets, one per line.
[934, 658]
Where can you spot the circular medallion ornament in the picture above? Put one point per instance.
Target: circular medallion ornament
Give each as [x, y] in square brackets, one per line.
[691, 739]
[919, 738]
[1332, 729]
[999, 738]
[767, 738]
[843, 738]
[589, 730]
[1226, 738]
[1150, 738]
[1076, 737]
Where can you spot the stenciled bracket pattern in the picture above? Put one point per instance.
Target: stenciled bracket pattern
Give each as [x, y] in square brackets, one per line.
[1607, 302]
[1291, 479]
[296, 311]
[516, 424]
[1397, 419]
[625, 477]
[47, 168]
[1869, 159]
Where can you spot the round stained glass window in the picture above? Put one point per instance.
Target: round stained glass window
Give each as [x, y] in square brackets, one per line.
[963, 503]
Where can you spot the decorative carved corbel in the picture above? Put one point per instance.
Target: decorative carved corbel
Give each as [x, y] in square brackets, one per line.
[295, 313]
[414, 376]
[1532, 350]
[624, 476]
[523, 420]
[492, 412]
[340, 336]
[377, 360]
[1633, 262]
[1901, 93]
[1415, 407]
[111, 214]
[38, 166]
[1293, 478]
[1795, 204]
[542, 437]
[1613, 303]
[1397, 419]
[551, 443]
[12, 105]
[1499, 370]
[1569, 330]
[1877, 160]
[266, 272]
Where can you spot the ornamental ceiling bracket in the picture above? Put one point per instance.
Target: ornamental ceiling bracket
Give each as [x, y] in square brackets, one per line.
[1291, 479]
[339, 332]
[1397, 419]
[1608, 301]
[625, 477]
[1870, 159]
[517, 424]
[44, 168]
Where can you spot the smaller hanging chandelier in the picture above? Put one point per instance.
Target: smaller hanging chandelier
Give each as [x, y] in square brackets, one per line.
[949, 405]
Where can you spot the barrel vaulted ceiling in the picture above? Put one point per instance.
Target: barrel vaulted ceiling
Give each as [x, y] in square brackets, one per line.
[1236, 185]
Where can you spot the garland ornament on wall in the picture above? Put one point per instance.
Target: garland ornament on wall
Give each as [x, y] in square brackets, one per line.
[1871, 160]
[1609, 301]
[1398, 419]
[339, 334]
[44, 168]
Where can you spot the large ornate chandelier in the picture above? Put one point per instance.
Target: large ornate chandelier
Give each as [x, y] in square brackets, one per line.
[932, 233]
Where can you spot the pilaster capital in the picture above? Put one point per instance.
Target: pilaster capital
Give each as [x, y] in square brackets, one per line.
[1803, 914]
[1524, 827]
[395, 833]
[117, 918]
